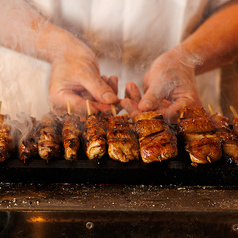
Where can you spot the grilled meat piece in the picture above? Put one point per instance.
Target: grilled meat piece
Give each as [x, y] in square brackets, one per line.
[6, 138]
[235, 126]
[196, 129]
[71, 134]
[205, 150]
[195, 125]
[95, 137]
[148, 127]
[157, 141]
[192, 112]
[50, 137]
[158, 147]
[28, 143]
[147, 116]
[122, 139]
[229, 139]
[221, 123]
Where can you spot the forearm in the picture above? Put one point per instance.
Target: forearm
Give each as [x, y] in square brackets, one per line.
[215, 42]
[24, 30]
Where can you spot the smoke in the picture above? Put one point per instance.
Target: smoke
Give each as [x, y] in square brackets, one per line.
[23, 78]
[16, 26]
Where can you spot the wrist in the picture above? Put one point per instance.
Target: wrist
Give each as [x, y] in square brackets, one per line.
[187, 58]
[53, 43]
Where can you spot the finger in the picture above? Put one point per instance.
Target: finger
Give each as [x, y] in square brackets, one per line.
[77, 104]
[132, 92]
[104, 78]
[149, 101]
[113, 83]
[86, 95]
[104, 108]
[171, 112]
[130, 106]
[100, 90]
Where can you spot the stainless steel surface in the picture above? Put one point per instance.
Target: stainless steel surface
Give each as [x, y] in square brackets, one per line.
[116, 197]
[76, 210]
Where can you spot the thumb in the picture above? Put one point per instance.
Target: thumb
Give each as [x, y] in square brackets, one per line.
[100, 90]
[150, 101]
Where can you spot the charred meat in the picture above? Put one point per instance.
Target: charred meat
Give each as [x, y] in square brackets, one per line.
[157, 141]
[202, 143]
[6, 138]
[95, 137]
[50, 137]
[28, 142]
[71, 134]
[122, 139]
[229, 139]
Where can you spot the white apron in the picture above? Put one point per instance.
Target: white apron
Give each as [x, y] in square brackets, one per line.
[126, 35]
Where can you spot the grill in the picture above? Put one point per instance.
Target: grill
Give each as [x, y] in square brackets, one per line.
[176, 171]
[96, 199]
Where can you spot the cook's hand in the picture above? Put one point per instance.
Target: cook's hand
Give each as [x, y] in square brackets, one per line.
[74, 77]
[131, 100]
[170, 84]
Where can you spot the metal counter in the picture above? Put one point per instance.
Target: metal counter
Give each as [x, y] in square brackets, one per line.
[88, 210]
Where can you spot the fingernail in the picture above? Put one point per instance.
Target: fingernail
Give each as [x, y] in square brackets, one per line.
[147, 104]
[109, 97]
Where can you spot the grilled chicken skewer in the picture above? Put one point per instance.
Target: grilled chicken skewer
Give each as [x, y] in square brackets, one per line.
[71, 134]
[235, 121]
[6, 138]
[157, 141]
[50, 137]
[197, 130]
[122, 139]
[229, 139]
[229, 136]
[28, 143]
[94, 136]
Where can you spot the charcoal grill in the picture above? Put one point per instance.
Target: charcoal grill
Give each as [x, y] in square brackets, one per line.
[107, 198]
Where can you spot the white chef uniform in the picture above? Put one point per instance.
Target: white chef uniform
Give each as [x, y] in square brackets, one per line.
[126, 35]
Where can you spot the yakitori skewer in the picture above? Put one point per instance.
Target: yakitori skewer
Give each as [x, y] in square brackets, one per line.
[157, 141]
[28, 143]
[50, 137]
[71, 134]
[122, 140]
[229, 140]
[94, 135]
[196, 129]
[6, 137]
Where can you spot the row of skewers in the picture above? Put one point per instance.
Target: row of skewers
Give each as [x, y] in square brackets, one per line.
[206, 138]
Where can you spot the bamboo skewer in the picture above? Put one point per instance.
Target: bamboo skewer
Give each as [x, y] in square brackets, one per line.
[233, 111]
[182, 113]
[159, 158]
[209, 159]
[114, 112]
[88, 107]
[211, 109]
[68, 107]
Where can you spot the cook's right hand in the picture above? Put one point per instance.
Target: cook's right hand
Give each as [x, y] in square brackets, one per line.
[75, 72]
[170, 84]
